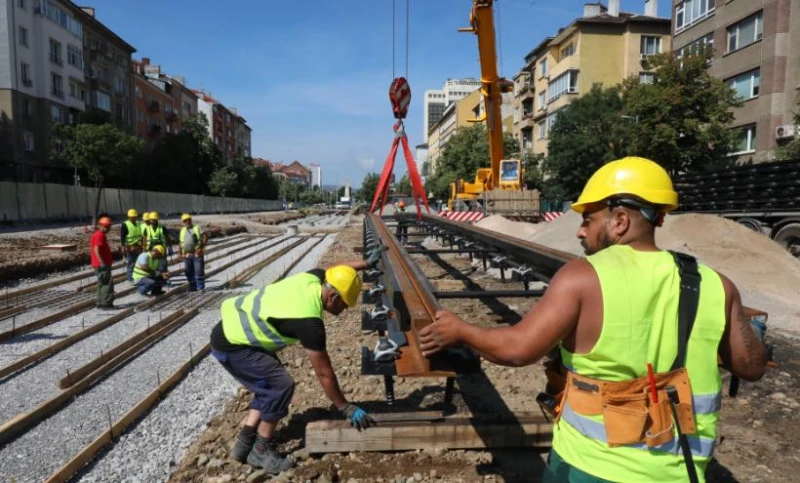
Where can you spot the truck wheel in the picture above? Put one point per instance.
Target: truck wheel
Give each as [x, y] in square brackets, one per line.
[750, 223]
[789, 238]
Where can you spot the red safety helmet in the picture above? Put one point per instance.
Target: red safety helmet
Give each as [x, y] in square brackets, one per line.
[104, 221]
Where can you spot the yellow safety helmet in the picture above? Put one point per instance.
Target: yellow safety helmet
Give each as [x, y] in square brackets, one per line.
[346, 281]
[146, 216]
[132, 213]
[639, 177]
[154, 215]
[160, 249]
[186, 216]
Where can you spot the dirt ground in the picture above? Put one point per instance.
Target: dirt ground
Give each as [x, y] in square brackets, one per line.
[21, 255]
[757, 440]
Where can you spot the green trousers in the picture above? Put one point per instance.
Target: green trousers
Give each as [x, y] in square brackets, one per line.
[105, 287]
[559, 471]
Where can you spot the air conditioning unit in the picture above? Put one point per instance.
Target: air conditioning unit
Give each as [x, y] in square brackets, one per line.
[785, 131]
[572, 90]
[643, 56]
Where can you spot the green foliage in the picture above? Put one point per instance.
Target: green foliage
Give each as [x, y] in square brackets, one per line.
[222, 181]
[790, 150]
[369, 185]
[684, 117]
[404, 185]
[585, 135]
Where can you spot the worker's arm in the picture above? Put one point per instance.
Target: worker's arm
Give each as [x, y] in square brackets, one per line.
[321, 363]
[740, 349]
[552, 319]
[97, 254]
[204, 237]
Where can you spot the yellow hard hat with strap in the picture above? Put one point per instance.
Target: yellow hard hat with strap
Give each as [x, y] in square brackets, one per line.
[346, 281]
[186, 216]
[638, 177]
[132, 213]
[146, 216]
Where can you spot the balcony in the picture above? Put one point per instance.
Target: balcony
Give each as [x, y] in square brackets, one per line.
[172, 117]
[153, 106]
[155, 129]
[526, 120]
[56, 59]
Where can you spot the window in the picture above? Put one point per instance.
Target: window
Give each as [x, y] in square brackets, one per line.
[542, 130]
[25, 73]
[75, 56]
[745, 32]
[139, 116]
[55, 52]
[55, 113]
[646, 78]
[23, 36]
[566, 83]
[27, 139]
[650, 45]
[56, 85]
[698, 45]
[543, 67]
[62, 18]
[692, 11]
[138, 92]
[568, 51]
[27, 108]
[82, 95]
[73, 90]
[747, 84]
[21, 4]
[103, 101]
[746, 139]
[119, 85]
[542, 100]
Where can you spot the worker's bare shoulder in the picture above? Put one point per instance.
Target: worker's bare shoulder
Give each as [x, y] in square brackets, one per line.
[577, 273]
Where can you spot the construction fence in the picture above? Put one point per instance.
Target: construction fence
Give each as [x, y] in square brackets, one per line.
[39, 202]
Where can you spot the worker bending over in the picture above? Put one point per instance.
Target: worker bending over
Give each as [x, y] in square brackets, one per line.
[101, 262]
[256, 326]
[192, 243]
[147, 274]
[131, 241]
[612, 314]
[154, 233]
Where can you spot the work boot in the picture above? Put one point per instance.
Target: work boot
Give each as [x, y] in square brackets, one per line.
[265, 455]
[242, 448]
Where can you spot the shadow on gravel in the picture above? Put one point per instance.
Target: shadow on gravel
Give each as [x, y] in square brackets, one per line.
[31, 336]
[716, 473]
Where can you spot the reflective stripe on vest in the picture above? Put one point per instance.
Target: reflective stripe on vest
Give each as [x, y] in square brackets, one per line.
[640, 292]
[155, 236]
[245, 319]
[138, 273]
[195, 230]
[134, 235]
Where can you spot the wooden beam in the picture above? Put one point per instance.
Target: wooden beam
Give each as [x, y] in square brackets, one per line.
[523, 430]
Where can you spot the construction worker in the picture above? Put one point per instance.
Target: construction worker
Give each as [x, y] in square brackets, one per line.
[131, 241]
[612, 314]
[154, 234]
[256, 326]
[402, 228]
[192, 242]
[147, 275]
[101, 262]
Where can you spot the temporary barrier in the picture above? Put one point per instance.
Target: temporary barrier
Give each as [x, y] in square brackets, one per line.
[39, 202]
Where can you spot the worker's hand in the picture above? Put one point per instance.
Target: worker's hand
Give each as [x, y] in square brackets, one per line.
[199, 252]
[124, 251]
[358, 417]
[442, 333]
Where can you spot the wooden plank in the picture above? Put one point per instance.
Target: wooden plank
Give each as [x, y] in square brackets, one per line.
[10, 312]
[525, 430]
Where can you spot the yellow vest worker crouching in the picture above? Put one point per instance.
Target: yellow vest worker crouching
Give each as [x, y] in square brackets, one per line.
[256, 326]
[613, 313]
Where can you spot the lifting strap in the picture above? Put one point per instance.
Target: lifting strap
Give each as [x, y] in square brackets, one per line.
[687, 303]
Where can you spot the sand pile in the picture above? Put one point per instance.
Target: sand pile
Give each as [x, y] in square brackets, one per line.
[514, 228]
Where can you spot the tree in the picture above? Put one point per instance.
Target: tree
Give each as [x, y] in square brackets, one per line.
[463, 154]
[100, 150]
[404, 185]
[222, 182]
[585, 135]
[683, 119]
[792, 149]
[369, 185]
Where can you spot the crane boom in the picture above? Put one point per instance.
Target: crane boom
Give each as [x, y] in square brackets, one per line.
[482, 25]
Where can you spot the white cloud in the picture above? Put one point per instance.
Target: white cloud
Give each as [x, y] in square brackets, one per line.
[365, 163]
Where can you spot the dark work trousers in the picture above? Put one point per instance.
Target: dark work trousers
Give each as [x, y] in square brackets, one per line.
[105, 287]
[194, 268]
[263, 374]
[153, 286]
[130, 261]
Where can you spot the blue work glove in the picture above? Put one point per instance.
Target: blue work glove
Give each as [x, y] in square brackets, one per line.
[358, 417]
[373, 257]
[760, 328]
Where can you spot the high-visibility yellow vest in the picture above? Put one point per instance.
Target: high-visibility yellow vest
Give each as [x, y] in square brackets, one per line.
[134, 236]
[155, 236]
[196, 231]
[138, 273]
[640, 325]
[245, 319]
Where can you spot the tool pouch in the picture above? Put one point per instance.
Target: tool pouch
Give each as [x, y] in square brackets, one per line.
[625, 417]
[660, 425]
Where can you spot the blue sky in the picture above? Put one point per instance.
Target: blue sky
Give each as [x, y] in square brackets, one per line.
[312, 76]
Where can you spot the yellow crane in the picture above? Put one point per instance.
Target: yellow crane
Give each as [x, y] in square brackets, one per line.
[503, 174]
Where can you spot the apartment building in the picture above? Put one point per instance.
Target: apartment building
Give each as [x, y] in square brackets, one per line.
[756, 52]
[46, 76]
[227, 128]
[242, 134]
[155, 107]
[603, 46]
[436, 101]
